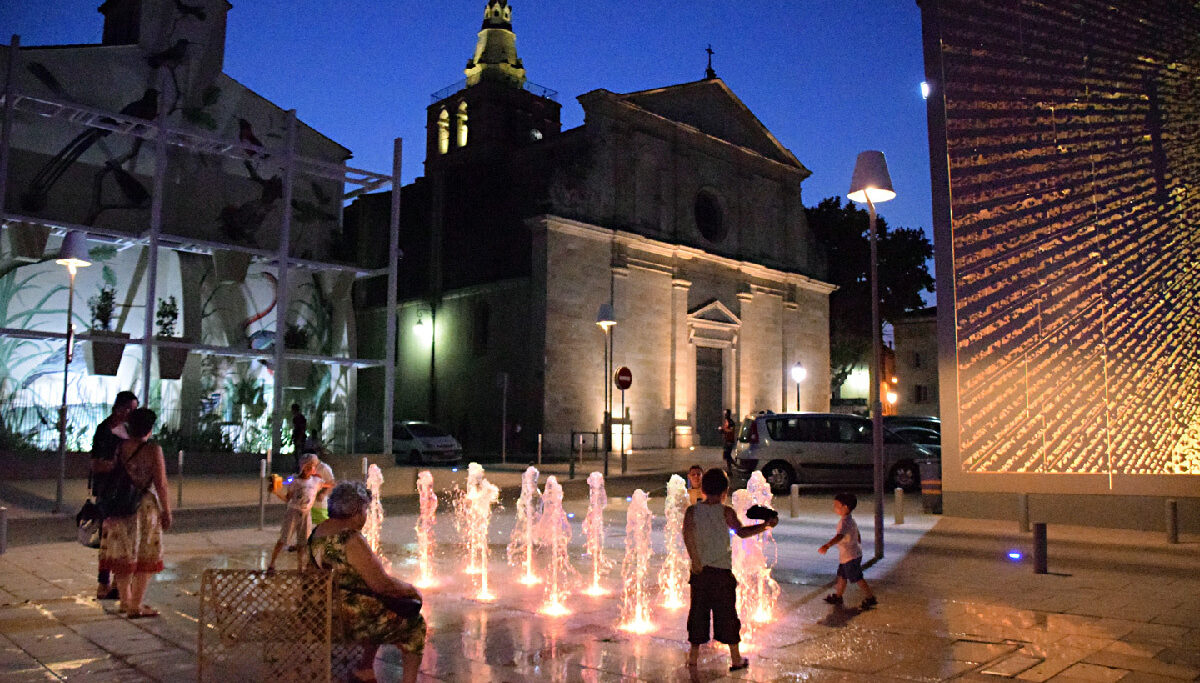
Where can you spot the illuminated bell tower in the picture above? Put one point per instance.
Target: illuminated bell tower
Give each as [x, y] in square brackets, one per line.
[495, 109]
[496, 50]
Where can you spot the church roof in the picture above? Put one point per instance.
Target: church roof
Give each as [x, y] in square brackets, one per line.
[709, 106]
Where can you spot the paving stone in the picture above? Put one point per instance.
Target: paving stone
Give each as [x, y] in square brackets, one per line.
[1145, 664]
[1090, 672]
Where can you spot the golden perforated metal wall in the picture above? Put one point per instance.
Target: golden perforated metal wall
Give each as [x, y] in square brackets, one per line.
[1065, 141]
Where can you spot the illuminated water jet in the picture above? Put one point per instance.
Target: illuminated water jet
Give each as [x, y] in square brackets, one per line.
[673, 576]
[635, 569]
[473, 514]
[520, 547]
[593, 532]
[554, 535]
[425, 535]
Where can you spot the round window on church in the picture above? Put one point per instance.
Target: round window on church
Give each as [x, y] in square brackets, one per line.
[709, 217]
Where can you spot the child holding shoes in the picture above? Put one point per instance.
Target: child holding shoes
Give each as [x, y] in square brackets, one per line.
[849, 545]
[706, 527]
[301, 493]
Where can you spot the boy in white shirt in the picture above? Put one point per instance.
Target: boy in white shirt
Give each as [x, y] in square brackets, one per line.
[849, 544]
[301, 493]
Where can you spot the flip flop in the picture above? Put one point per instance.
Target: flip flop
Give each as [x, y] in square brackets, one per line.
[143, 612]
[738, 667]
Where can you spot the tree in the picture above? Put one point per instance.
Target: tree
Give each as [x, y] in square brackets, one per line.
[844, 229]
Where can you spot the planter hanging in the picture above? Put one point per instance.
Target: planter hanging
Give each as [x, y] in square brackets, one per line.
[171, 361]
[298, 372]
[28, 241]
[230, 266]
[104, 352]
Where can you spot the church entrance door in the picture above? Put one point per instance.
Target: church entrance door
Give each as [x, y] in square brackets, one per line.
[710, 367]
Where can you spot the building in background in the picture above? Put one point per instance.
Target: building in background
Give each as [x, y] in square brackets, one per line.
[675, 205]
[916, 372]
[1065, 157]
[213, 252]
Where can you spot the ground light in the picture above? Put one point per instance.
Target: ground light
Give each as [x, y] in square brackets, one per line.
[1014, 555]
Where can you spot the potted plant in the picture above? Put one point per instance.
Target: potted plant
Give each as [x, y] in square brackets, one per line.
[105, 347]
[295, 338]
[28, 241]
[230, 266]
[170, 359]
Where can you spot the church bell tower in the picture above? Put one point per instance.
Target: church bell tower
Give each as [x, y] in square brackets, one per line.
[495, 108]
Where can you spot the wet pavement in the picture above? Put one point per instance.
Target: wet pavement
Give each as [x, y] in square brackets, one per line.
[1117, 605]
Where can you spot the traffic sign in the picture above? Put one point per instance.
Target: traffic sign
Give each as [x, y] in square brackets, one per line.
[623, 379]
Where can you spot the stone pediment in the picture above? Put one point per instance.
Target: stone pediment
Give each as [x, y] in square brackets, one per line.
[714, 312]
[711, 107]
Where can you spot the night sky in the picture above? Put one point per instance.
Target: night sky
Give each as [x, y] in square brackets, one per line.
[828, 77]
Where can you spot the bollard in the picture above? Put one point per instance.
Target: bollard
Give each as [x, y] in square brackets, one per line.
[899, 512]
[539, 450]
[268, 460]
[3, 530]
[606, 464]
[1023, 512]
[1172, 510]
[624, 462]
[571, 470]
[366, 467]
[1039, 548]
[581, 449]
[794, 501]
[179, 496]
[262, 489]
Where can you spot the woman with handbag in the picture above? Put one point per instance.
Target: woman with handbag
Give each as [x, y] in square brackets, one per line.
[137, 510]
[371, 606]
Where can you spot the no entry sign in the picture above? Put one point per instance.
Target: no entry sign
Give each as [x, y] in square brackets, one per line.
[623, 379]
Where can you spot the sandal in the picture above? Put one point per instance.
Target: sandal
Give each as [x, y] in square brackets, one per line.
[142, 612]
[744, 665]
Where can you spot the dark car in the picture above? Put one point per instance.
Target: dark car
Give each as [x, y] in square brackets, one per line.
[894, 422]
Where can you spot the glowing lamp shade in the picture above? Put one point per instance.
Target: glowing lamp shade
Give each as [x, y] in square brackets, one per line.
[799, 373]
[871, 180]
[74, 251]
[604, 316]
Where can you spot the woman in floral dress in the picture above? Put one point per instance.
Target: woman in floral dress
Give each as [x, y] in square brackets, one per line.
[362, 585]
[131, 547]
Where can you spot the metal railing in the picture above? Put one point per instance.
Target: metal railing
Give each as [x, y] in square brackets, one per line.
[539, 90]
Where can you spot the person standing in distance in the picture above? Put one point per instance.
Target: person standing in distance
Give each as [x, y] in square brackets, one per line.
[109, 434]
[299, 433]
[729, 434]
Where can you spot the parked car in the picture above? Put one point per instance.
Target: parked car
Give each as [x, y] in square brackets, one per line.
[421, 443]
[822, 448]
[894, 422]
[927, 439]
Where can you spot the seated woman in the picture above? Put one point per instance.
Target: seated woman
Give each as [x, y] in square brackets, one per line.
[362, 586]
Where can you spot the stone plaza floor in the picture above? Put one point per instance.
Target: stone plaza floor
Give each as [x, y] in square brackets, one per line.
[1116, 605]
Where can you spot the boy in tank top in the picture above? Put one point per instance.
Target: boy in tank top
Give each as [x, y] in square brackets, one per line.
[706, 527]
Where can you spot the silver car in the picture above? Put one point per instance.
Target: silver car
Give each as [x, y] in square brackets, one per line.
[422, 443]
[822, 448]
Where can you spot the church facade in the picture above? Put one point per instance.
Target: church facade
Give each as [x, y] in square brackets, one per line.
[674, 209]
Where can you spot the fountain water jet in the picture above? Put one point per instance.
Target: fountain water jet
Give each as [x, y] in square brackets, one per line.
[554, 534]
[753, 559]
[520, 548]
[635, 569]
[593, 531]
[473, 514]
[673, 575]
[425, 524]
[374, 524]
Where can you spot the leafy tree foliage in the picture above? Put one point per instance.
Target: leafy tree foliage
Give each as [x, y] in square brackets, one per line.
[844, 229]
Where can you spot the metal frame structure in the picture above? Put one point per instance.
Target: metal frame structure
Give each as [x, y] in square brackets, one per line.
[163, 136]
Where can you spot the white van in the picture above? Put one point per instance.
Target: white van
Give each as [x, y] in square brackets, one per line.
[822, 448]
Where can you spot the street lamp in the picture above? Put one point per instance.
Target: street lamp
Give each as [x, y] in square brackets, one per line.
[605, 319]
[871, 184]
[798, 375]
[74, 255]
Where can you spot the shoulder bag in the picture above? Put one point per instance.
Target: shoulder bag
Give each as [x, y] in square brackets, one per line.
[121, 496]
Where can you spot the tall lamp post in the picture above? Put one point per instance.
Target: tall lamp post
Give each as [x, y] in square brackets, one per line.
[605, 319]
[74, 255]
[871, 184]
[798, 375]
